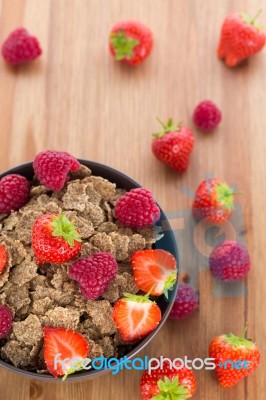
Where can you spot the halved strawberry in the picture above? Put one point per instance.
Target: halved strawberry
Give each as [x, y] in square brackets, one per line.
[3, 258]
[136, 316]
[155, 271]
[60, 347]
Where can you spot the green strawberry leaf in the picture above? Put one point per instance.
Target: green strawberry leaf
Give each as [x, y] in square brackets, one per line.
[239, 341]
[171, 390]
[225, 195]
[167, 128]
[123, 45]
[78, 367]
[64, 228]
[170, 282]
[138, 298]
[252, 20]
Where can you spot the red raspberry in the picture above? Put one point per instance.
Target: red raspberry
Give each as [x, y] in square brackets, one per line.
[6, 321]
[207, 116]
[137, 209]
[52, 168]
[185, 303]
[229, 261]
[14, 193]
[94, 273]
[20, 47]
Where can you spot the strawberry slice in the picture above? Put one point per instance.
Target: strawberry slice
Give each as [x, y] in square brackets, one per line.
[136, 316]
[155, 271]
[3, 258]
[60, 347]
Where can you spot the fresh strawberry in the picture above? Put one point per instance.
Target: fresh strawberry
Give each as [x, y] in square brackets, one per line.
[173, 145]
[136, 316]
[214, 200]
[61, 344]
[3, 258]
[131, 42]
[229, 351]
[155, 271]
[241, 37]
[170, 382]
[55, 239]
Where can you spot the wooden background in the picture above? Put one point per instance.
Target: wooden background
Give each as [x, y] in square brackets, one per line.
[76, 98]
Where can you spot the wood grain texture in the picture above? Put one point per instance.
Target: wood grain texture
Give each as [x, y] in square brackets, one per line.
[76, 98]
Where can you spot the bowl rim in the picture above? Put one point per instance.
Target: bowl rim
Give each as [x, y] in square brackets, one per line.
[86, 375]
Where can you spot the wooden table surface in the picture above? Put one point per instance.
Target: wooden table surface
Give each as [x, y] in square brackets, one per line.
[76, 98]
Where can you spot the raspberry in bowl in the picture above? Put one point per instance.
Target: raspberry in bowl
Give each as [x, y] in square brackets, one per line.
[72, 264]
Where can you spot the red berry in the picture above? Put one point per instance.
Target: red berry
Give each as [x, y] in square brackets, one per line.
[94, 273]
[154, 271]
[214, 200]
[3, 258]
[20, 47]
[136, 316]
[55, 239]
[185, 303]
[137, 209]
[241, 37]
[228, 352]
[229, 261]
[65, 345]
[6, 321]
[131, 42]
[14, 193]
[52, 168]
[207, 115]
[173, 145]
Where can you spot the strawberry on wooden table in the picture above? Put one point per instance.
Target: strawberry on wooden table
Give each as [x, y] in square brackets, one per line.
[155, 271]
[55, 239]
[229, 351]
[168, 383]
[3, 258]
[241, 37]
[214, 200]
[136, 316]
[131, 42]
[173, 145]
[60, 347]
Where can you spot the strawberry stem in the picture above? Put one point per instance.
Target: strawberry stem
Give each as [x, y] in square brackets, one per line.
[138, 298]
[167, 128]
[64, 228]
[243, 334]
[254, 19]
[161, 122]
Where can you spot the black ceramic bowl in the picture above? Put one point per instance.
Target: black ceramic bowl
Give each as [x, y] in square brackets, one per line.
[168, 243]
